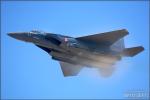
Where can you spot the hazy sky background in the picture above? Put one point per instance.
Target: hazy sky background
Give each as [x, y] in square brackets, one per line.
[29, 72]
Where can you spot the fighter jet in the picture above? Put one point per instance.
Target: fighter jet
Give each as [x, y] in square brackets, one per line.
[102, 50]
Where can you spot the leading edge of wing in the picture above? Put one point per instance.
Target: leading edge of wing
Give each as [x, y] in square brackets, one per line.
[106, 38]
[44, 48]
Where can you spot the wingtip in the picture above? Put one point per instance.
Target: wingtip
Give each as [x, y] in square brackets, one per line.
[125, 31]
[142, 48]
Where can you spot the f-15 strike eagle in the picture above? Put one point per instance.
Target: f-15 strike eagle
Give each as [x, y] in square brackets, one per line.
[100, 50]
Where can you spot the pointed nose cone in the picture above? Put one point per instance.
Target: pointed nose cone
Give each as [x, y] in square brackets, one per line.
[12, 35]
[20, 35]
[15, 35]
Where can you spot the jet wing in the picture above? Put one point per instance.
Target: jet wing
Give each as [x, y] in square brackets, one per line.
[70, 69]
[107, 38]
[107, 71]
[45, 49]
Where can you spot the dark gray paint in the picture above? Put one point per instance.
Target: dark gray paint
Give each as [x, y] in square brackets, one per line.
[101, 50]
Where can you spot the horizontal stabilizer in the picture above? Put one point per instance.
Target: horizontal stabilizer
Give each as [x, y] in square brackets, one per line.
[130, 52]
[70, 69]
[107, 38]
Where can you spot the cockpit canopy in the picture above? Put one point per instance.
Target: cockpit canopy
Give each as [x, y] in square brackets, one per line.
[37, 32]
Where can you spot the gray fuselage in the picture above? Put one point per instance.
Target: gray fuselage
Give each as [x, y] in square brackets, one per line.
[70, 50]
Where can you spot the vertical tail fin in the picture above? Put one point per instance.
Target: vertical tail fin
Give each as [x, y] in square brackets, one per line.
[118, 46]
